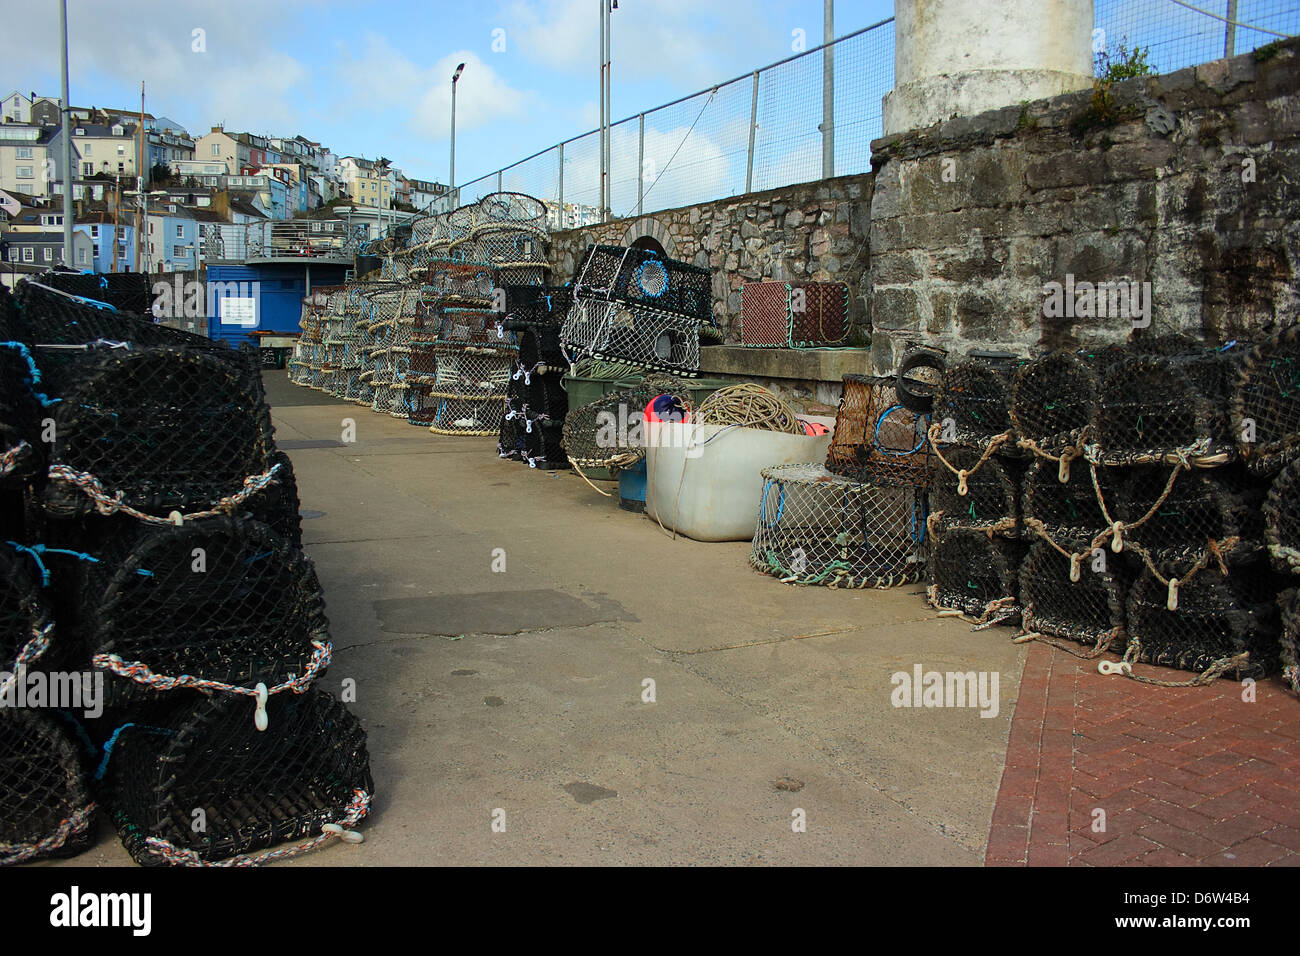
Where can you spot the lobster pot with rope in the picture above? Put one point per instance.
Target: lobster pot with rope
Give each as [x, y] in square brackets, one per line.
[878, 440]
[261, 795]
[46, 808]
[1078, 596]
[819, 528]
[1265, 406]
[975, 573]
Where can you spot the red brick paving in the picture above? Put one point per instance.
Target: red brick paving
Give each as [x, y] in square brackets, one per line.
[1186, 776]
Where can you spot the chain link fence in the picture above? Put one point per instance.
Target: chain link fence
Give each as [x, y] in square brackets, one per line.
[764, 129]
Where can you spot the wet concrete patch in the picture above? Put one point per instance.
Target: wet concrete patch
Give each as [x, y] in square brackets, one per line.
[462, 673]
[295, 444]
[307, 515]
[493, 701]
[496, 612]
[588, 792]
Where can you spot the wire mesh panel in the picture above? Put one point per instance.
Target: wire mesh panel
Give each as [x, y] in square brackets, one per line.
[815, 527]
[45, 804]
[975, 573]
[621, 332]
[1066, 599]
[219, 605]
[307, 771]
[1053, 400]
[876, 439]
[1266, 403]
[798, 315]
[1228, 623]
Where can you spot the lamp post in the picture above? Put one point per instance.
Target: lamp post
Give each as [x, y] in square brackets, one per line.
[66, 133]
[451, 178]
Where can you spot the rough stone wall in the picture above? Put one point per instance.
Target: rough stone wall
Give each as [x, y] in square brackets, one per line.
[1189, 181]
[812, 231]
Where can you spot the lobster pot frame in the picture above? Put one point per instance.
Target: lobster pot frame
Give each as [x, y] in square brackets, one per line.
[45, 805]
[24, 620]
[633, 334]
[818, 528]
[975, 574]
[1150, 410]
[256, 788]
[1282, 520]
[1069, 511]
[798, 315]
[1215, 617]
[534, 275]
[470, 281]
[468, 416]
[506, 210]
[472, 373]
[161, 429]
[277, 505]
[223, 603]
[1053, 399]
[974, 397]
[876, 439]
[609, 432]
[641, 277]
[991, 498]
[506, 247]
[460, 325]
[1266, 403]
[1218, 509]
[1089, 610]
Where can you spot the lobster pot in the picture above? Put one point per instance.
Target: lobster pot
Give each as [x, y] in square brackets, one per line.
[1151, 410]
[448, 279]
[257, 789]
[1215, 617]
[382, 395]
[975, 573]
[543, 395]
[1289, 647]
[1089, 610]
[45, 804]
[971, 404]
[1068, 510]
[460, 325]
[798, 315]
[641, 277]
[472, 373]
[277, 505]
[876, 439]
[222, 600]
[421, 232]
[468, 416]
[538, 441]
[635, 334]
[531, 306]
[1282, 520]
[128, 292]
[53, 317]
[400, 405]
[609, 431]
[1266, 403]
[24, 620]
[162, 430]
[519, 275]
[1053, 399]
[818, 528]
[510, 442]
[988, 500]
[507, 247]
[539, 349]
[424, 362]
[506, 210]
[1203, 509]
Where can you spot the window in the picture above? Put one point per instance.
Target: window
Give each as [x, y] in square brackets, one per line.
[24, 172]
[81, 256]
[121, 150]
[87, 169]
[96, 250]
[24, 152]
[121, 168]
[49, 254]
[216, 149]
[180, 230]
[13, 253]
[88, 149]
[178, 252]
[28, 254]
[94, 232]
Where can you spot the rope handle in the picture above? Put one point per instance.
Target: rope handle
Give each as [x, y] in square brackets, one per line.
[107, 504]
[73, 825]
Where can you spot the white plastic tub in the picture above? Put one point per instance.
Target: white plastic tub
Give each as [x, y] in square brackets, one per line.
[704, 481]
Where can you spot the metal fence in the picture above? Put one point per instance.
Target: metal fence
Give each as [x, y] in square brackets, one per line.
[763, 130]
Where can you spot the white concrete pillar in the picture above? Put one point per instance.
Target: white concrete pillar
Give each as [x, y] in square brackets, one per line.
[962, 57]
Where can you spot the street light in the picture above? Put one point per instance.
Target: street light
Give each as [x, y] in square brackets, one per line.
[451, 179]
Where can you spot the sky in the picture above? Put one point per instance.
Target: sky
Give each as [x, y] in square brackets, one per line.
[374, 79]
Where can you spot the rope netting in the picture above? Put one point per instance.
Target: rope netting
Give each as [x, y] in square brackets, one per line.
[877, 440]
[203, 787]
[1282, 520]
[1081, 602]
[976, 574]
[639, 335]
[1266, 403]
[969, 491]
[45, 803]
[794, 315]
[25, 625]
[815, 527]
[1053, 403]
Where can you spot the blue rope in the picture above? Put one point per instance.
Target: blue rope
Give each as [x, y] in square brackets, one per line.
[112, 743]
[34, 373]
[36, 550]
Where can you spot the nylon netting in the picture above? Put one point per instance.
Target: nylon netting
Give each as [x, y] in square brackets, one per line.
[25, 625]
[815, 527]
[45, 803]
[975, 573]
[876, 439]
[984, 495]
[1266, 403]
[1073, 600]
[1282, 520]
[1053, 402]
[793, 315]
[308, 770]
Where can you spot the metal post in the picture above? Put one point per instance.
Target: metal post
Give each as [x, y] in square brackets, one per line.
[640, 164]
[561, 197]
[451, 176]
[609, 130]
[1230, 30]
[828, 90]
[602, 109]
[753, 126]
[67, 144]
[499, 187]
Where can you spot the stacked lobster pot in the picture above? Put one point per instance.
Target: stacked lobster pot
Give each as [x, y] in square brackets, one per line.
[974, 525]
[536, 402]
[308, 351]
[508, 232]
[858, 520]
[634, 306]
[153, 568]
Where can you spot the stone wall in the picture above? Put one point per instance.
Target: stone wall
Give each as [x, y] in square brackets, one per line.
[814, 231]
[1189, 182]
